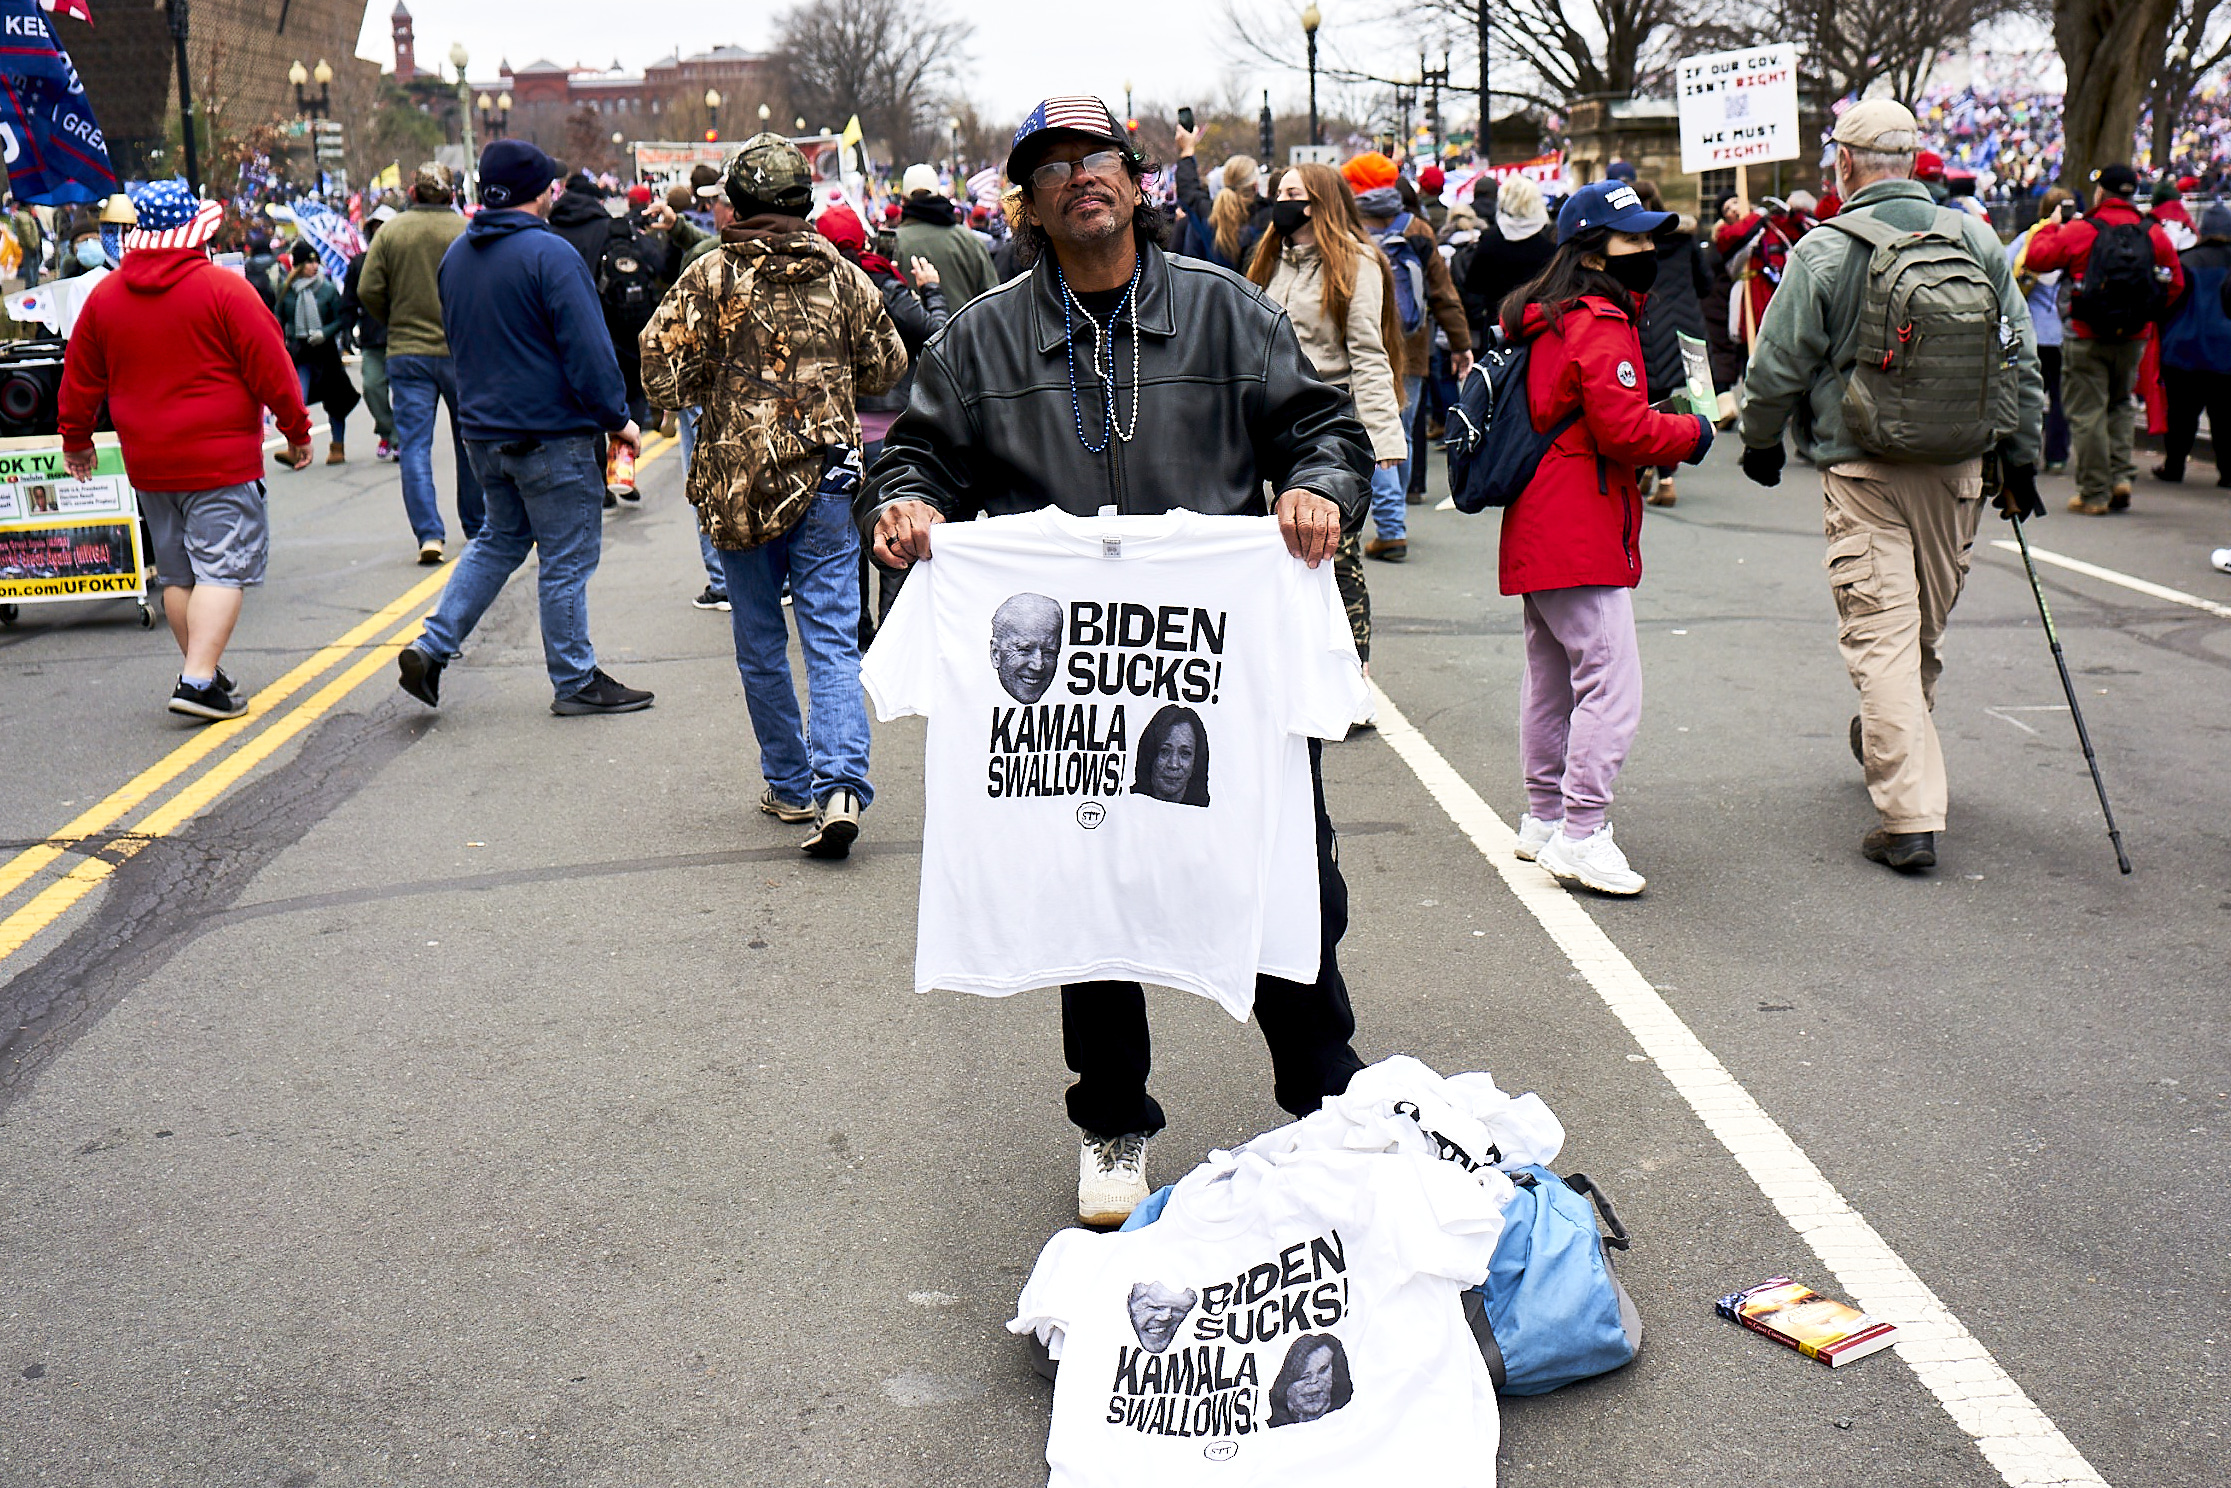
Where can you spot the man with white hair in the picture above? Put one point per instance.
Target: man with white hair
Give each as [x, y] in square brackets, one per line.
[931, 227]
[1901, 464]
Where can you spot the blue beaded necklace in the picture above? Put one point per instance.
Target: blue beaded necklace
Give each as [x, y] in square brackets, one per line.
[1101, 340]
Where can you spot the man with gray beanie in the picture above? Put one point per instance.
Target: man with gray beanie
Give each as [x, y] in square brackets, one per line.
[1899, 435]
[537, 383]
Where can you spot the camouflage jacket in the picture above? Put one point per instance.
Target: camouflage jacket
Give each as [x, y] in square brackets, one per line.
[770, 337]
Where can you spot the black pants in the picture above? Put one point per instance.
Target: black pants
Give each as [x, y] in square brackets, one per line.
[2056, 417]
[2189, 394]
[1104, 1031]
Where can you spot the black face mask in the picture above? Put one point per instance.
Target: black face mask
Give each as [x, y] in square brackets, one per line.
[1288, 216]
[1635, 272]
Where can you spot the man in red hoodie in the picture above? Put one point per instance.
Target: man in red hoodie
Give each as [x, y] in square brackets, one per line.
[188, 358]
[2112, 312]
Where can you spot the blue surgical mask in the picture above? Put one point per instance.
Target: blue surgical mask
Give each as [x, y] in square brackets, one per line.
[89, 253]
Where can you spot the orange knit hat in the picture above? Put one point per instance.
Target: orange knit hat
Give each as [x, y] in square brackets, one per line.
[1369, 171]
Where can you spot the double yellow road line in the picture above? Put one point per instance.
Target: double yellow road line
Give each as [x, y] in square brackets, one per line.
[276, 729]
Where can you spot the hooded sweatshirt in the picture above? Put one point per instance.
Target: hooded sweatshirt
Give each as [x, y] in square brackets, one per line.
[527, 334]
[188, 357]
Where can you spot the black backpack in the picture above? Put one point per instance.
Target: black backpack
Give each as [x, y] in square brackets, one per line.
[625, 280]
[2120, 294]
[1493, 445]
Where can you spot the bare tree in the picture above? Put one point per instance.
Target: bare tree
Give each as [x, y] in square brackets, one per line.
[1845, 47]
[2112, 49]
[888, 61]
[2199, 42]
[1558, 51]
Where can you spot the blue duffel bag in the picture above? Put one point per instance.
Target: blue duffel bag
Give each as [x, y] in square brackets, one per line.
[1552, 1310]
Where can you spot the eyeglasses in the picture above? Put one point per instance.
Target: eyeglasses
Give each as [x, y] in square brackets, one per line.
[1055, 174]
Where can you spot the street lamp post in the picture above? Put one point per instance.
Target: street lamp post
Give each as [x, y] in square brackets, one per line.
[1436, 78]
[320, 107]
[1268, 130]
[953, 144]
[712, 112]
[495, 115]
[1405, 99]
[1130, 119]
[1310, 20]
[176, 11]
[764, 111]
[458, 58]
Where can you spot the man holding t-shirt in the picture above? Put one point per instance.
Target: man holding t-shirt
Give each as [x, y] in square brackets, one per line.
[1011, 413]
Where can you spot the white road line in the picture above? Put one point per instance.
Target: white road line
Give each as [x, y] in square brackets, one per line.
[2141, 586]
[2017, 1438]
[2002, 714]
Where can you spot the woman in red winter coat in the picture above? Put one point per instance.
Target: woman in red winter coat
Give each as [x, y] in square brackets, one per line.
[1572, 541]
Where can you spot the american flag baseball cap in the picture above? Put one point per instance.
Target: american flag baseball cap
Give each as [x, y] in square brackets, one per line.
[1074, 113]
[171, 216]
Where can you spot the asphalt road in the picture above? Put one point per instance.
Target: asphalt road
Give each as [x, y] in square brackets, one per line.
[487, 1097]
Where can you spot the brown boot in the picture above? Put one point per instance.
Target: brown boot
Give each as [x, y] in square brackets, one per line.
[1662, 493]
[2092, 508]
[2118, 496]
[1395, 551]
[335, 455]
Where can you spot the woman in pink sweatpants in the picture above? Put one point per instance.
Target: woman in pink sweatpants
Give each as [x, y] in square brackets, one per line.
[1571, 542]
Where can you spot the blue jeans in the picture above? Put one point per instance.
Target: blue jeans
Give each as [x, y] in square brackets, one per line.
[415, 383]
[820, 557]
[1388, 485]
[550, 499]
[716, 577]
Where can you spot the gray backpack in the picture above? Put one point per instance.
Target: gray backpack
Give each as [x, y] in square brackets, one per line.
[1930, 368]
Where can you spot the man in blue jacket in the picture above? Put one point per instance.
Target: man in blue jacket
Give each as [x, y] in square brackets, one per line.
[2196, 351]
[537, 383]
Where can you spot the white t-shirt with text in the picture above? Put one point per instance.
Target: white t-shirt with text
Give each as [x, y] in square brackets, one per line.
[1117, 776]
[1287, 1322]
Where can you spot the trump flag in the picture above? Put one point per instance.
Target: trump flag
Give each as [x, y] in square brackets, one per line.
[54, 149]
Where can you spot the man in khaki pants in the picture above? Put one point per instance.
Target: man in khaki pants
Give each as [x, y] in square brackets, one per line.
[1898, 530]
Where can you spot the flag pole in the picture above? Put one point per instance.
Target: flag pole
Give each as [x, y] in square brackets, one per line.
[177, 12]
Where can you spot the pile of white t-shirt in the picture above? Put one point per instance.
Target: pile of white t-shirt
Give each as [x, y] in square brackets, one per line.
[1310, 1280]
[1116, 779]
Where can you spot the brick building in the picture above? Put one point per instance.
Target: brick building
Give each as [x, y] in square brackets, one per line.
[239, 52]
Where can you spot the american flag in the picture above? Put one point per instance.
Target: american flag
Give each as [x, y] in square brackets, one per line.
[171, 216]
[1080, 111]
[334, 236]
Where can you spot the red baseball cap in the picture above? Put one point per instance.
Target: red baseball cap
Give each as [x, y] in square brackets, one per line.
[1431, 179]
[1928, 166]
[639, 195]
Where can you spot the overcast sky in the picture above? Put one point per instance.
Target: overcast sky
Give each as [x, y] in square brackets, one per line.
[1170, 49]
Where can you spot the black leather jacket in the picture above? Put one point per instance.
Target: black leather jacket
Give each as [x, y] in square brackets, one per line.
[1224, 406]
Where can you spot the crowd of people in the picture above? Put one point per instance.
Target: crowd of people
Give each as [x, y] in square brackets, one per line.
[1080, 329]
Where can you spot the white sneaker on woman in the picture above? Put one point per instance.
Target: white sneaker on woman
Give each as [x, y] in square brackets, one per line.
[1111, 1178]
[1594, 862]
[1533, 836]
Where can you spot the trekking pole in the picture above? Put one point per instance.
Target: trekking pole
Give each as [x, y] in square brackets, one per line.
[2083, 735]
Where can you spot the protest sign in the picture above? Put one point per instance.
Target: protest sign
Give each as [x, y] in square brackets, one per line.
[1738, 108]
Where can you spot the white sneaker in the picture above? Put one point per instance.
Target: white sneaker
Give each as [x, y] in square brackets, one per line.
[1594, 862]
[1111, 1179]
[1533, 835]
[2220, 560]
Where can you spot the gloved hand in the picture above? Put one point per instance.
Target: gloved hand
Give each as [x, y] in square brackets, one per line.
[2018, 492]
[315, 338]
[1703, 440]
[1763, 464]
